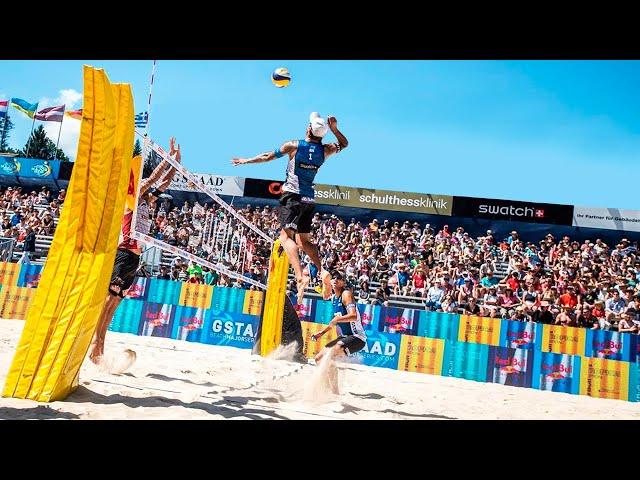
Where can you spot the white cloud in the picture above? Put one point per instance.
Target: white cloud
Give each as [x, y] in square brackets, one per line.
[70, 127]
[70, 98]
[68, 135]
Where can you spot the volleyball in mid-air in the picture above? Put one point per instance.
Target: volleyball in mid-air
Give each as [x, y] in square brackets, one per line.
[281, 77]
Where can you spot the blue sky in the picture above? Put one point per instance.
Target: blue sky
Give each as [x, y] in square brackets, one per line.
[546, 131]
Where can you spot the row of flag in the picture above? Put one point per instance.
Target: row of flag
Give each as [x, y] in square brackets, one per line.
[54, 114]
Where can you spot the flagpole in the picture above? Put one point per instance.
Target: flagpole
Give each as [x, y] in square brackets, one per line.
[4, 124]
[153, 72]
[26, 150]
[59, 131]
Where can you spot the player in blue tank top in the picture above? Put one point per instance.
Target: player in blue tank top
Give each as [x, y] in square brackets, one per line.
[346, 318]
[297, 201]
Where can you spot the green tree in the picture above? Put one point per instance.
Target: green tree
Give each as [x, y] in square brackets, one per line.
[137, 148]
[6, 125]
[41, 146]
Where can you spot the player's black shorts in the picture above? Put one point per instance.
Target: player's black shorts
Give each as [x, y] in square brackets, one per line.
[294, 213]
[351, 344]
[124, 271]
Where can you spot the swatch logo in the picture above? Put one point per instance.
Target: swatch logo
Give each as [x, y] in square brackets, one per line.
[511, 211]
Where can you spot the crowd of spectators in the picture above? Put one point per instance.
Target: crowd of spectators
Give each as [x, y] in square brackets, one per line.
[25, 214]
[554, 280]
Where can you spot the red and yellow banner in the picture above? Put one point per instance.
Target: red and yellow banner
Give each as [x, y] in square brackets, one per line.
[14, 302]
[420, 354]
[311, 348]
[483, 330]
[559, 339]
[253, 302]
[196, 295]
[9, 273]
[602, 378]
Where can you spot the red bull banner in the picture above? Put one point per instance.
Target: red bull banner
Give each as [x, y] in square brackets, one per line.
[557, 372]
[369, 315]
[510, 366]
[559, 339]
[196, 295]
[253, 302]
[29, 276]
[519, 334]
[602, 378]
[156, 320]
[482, 330]
[138, 288]
[9, 273]
[399, 320]
[188, 323]
[608, 344]
[14, 302]
[306, 310]
[422, 355]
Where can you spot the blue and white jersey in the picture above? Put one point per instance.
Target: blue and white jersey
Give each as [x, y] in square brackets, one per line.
[302, 169]
[353, 327]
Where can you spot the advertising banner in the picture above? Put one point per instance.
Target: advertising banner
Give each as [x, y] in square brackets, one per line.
[559, 339]
[438, 325]
[127, 316]
[30, 275]
[603, 378]
[465, 360]
[556, 372]
[423, 355]
[519, 334]
[609, 218]
[367, 198]
[196, 295]
[221, 185]
[230, 329]
[510, 366]
[512, 210]
[164, 291]
[14, 301]
[479, 330]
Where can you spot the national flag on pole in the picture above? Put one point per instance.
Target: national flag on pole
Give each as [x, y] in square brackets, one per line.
[4, 107]
[51, 114]
[142, 119]
[77, 114]
[25, 107]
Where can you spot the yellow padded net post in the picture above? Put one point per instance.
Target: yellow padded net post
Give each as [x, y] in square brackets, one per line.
[271, 328]
[63, 316]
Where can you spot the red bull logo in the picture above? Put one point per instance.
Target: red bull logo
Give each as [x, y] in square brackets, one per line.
[191, 323]
[557, 370]
[520, 338]
[607, 347]
[509, 363]
[135, 290]
[157, 318]
[510, 369]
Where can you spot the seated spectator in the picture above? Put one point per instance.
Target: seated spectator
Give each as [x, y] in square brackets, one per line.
[614, 306]
[489, 280]
[543, 314]
[164, 273]
[626, 323]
